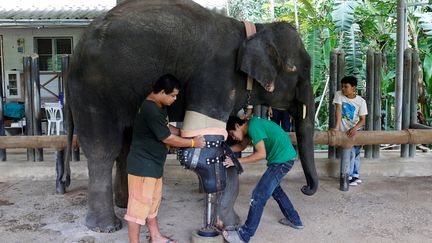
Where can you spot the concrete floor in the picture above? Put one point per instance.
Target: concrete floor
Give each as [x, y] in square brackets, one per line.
[382, 209]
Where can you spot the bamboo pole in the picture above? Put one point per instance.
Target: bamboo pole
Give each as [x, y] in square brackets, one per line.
[337, 138]
[333, 138]
[400, 47]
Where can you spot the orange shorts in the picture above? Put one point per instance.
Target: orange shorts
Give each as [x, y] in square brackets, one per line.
[145, 194]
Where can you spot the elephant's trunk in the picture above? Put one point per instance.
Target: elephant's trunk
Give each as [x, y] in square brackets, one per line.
[305, 134]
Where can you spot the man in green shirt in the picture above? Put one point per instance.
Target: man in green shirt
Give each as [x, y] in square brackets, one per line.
[274, 145]
[147, 156]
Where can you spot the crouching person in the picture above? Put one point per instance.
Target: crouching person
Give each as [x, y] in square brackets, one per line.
[274, 145]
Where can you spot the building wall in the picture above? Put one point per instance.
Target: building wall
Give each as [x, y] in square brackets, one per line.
[13, 59]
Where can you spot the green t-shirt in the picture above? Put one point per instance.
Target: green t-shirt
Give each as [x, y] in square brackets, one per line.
[279, 148]
[148, 153]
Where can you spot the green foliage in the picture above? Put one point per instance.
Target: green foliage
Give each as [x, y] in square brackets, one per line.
[343, 16]
[425, 22]
[354, 26]
[427, 69]
[313, 46]
[251, 10]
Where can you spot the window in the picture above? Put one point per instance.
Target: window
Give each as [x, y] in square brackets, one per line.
[50, 51]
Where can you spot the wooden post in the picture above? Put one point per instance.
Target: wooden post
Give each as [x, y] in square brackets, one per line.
[2, 128]
[28, 103]
[414, 96]
[377, 101]
[345, 168]
[37, 114]
[340, 75]
[340, 68]
[332, 91]
[370, 70]
[406, 91]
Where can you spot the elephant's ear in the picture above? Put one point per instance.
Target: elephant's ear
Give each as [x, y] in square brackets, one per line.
[258, 57]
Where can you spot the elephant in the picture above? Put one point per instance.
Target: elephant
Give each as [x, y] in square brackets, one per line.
[122, 52]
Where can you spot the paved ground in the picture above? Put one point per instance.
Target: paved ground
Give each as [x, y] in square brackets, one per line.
[382, 209]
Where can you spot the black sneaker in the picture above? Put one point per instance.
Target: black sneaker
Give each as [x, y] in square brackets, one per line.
[285, 221]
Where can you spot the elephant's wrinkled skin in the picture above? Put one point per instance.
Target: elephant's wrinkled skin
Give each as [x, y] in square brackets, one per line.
[123, 52]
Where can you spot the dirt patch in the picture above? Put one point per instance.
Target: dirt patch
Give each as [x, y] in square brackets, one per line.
[379, 210]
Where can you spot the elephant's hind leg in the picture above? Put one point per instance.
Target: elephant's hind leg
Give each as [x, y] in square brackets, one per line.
[120, 181]
[100, 214]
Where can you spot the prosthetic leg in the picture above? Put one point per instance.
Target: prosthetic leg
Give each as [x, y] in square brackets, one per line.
[207, 163]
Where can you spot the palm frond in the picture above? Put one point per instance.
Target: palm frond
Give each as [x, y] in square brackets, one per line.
[352, 46]
[343, 14]
[313, 46]
[425, 20]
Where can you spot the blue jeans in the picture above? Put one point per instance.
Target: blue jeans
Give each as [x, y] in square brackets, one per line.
[268, 186]
[355, 161]
[281, 117]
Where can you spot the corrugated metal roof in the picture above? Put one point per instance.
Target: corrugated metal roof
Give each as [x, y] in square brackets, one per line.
[48, 9]
[48, 13]
[56, 13]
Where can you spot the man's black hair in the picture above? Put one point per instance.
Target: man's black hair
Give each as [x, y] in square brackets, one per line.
[349, 80]
[167, 83]
[232, 121]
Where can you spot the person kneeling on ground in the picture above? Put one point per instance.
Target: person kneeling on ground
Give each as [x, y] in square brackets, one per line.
[271, 143]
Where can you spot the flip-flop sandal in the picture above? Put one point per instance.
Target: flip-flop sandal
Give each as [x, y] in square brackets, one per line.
[232, 236]
[285, 221]
[169, 240]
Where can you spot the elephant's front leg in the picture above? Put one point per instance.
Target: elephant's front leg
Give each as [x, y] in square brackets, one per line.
[226, 217]
[100, 214]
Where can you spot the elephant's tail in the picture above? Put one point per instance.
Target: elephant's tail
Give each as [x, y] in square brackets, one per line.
[70, 131]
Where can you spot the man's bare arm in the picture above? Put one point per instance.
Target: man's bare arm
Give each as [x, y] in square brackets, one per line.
[259, 154]
[338, 116]
[240, 146]
[176, 141]
[174, 130]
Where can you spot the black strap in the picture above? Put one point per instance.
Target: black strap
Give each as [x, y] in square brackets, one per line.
[231, 154]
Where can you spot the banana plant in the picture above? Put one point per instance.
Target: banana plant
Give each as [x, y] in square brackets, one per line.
[348, 31]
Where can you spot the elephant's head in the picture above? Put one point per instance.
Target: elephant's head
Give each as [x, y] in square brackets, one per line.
[275, 57]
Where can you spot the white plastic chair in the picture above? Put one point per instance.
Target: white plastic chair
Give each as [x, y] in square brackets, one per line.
[54, 117]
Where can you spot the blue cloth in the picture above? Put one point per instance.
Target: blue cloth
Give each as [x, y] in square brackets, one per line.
[269, 185]
[281, 117]
[14, 110]
[355, 161]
